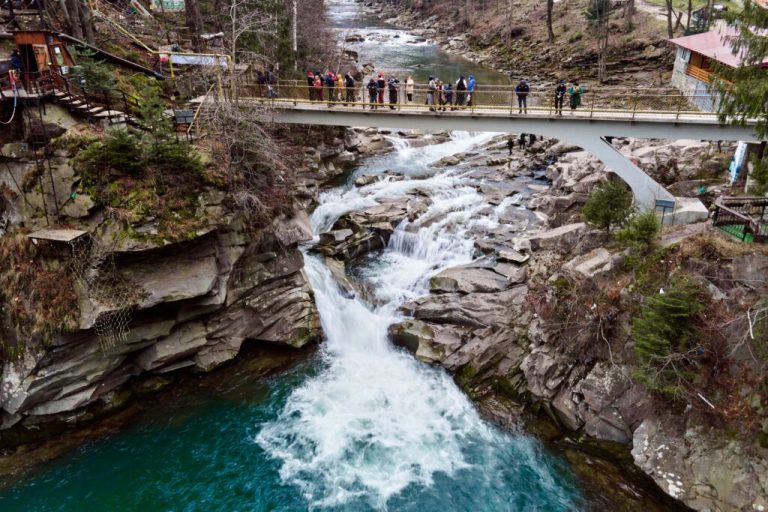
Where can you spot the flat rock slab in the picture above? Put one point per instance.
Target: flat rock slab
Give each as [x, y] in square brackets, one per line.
[468, 280]
[563, 239]
[472, 310]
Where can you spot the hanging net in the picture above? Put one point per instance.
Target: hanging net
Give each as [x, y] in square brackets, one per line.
[107, 291]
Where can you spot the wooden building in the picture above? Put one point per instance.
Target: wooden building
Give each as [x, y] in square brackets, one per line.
[694, 63]
[43, 55]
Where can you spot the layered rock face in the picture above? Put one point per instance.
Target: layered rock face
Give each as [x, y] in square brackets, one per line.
[199, 302]
[490, 322]
[186, 306]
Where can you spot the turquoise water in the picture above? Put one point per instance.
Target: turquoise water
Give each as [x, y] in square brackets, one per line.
[360, 426]
[200, 454]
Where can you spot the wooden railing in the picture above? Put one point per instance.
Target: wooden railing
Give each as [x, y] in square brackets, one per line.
[747, 212]
[699, 74]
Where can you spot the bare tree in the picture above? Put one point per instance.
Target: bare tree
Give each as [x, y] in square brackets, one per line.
[670, 11]
[550, 32]
[629, 12]
[194, 21]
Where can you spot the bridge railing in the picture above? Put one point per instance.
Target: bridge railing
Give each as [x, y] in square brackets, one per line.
[594, 101]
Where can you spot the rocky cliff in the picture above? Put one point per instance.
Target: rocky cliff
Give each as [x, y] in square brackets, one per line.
[543, 315]
[512, 37]
[142, 303]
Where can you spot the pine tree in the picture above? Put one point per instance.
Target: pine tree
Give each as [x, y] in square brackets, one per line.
[744, 90]
[662, 337]
[610, 204]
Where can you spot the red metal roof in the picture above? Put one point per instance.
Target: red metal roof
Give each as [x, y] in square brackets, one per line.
[714, 44]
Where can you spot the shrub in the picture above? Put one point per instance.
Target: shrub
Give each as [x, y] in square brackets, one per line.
[90, 72]
[37, 293]
[663, 334]
[640, 232]
[610, 204]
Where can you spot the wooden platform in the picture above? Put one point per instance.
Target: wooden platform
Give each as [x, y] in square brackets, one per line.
[57, 235]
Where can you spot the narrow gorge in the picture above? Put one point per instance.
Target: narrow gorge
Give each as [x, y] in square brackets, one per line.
[432, 327]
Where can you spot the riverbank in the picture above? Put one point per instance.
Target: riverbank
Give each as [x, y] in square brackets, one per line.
[513, 41]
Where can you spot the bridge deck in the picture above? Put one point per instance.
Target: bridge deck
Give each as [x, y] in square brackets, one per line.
[587, 127]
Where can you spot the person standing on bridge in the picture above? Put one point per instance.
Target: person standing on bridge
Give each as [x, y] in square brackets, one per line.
[575, 90]
[318, 87]
[393, 85]
[311, 85]
[339, 83]
[373, 92]
[522, 90]
[560, 91]
[431, 88]
[349, 85]
[381, 83]
[330, 82]
[409, 87]
[449, 96]
[461, 91]
[471, 89]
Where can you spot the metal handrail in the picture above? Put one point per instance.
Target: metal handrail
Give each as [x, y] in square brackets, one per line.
[478, 107]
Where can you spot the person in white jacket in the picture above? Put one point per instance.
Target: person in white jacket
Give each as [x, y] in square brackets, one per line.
[409, 87]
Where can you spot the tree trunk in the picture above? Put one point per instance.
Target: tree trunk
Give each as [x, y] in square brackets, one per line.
[87, 20]
[670, 32]
[295, 47]
[65, 12]
[194, 21]
[550, 32]
[75, 25]
[710, 13]
[218, 26]
[629, 12]
[688, 22]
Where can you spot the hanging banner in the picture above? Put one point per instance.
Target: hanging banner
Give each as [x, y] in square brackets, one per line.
[168, 5]
[737, 163]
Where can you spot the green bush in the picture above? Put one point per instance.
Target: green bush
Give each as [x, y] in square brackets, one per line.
[663, 336]
[640, 232]
[609, 204]
[760, 177]
[91, 73]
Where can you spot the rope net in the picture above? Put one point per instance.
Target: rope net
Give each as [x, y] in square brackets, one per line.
[110, 295]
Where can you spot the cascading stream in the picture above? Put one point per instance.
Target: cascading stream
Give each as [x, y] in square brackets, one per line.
[376, 429]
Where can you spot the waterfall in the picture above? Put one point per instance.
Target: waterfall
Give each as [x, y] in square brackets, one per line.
[376, 429]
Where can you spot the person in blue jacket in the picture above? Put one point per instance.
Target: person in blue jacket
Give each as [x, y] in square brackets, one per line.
[471, 89]
[522, 90]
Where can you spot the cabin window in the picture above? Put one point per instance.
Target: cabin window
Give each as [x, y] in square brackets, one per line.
[684, 54]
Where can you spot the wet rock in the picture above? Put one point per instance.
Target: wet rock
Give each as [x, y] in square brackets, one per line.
[513, 256]
[335, 236]
[289, 232]
[468, 280]
[477, 310]
[428, 342]
[181, 343]
[367, 179]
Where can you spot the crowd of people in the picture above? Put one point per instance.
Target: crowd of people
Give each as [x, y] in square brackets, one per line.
[382, 91]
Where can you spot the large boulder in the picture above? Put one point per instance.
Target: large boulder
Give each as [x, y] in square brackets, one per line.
[181, 343]
[562, 239]
[428, 342]
[476, 310]
[467, 279]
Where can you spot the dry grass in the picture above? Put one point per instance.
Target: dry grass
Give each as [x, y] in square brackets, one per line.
[37, 292]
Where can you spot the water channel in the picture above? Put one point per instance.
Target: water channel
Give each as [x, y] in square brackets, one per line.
[359, 426]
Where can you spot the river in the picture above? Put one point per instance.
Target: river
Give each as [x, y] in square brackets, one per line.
[359, 426]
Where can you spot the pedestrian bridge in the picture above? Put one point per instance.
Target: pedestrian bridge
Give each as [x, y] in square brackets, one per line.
[647, 115]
